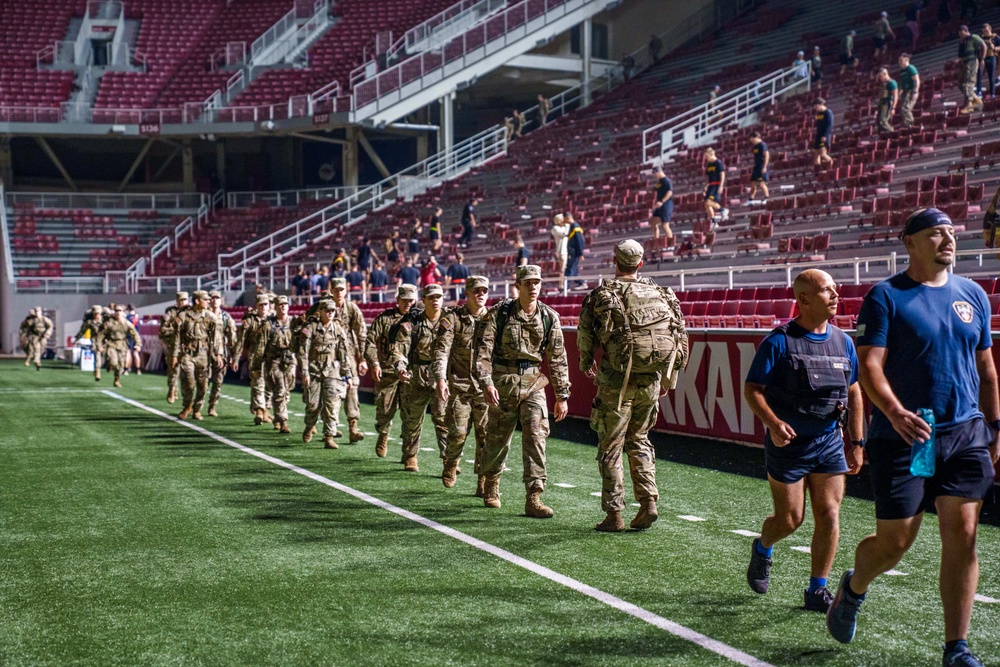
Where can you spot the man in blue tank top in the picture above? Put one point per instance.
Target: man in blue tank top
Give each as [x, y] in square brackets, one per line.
[803, 386]
[924, 342]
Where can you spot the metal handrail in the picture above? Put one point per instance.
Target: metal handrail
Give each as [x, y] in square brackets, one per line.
[125, 201]
[5, 237]
[272, 34]
[294, 197]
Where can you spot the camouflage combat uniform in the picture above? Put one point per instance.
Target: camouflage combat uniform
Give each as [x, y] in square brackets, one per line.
[412, 351]
[279, 365]
[223, 349]
[251, 339]
[192, 345]
[325, 361]
[168, 336]
[35, 331]
[92, 322]
[378, 353]
[113, 342]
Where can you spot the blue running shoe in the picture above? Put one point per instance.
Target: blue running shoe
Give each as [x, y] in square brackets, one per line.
[962, 657]
[759, 572]
[842, 616]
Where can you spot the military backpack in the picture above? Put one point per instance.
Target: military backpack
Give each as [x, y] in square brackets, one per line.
[637, 325]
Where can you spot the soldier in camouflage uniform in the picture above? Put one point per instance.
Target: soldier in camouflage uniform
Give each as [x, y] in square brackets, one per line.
[455, 344]
[279, 362]
[93, 320]
[223, 348]
[196, 329]
[252, 339]
[378, 356]
[35, 332]
[518, 336]
[627, 401]
[412, 356]
[168, 334]
[113, 340]
[324, 357]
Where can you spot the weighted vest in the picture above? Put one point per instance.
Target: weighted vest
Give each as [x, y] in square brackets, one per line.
[812, 379]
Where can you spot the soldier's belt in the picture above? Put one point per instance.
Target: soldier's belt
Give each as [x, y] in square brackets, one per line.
[523, 367]
[420, 362]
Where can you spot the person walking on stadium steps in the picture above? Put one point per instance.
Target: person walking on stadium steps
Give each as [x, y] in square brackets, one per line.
[663, 206]
[90, 328]
[909, 84]
[434, 230]
[913, 16]
[544, 108]
[518, 336]
[824, 133]
[576, 242]
[412, 358]
[252, 339]
[888, 98]
[469, 222]
[714, 193]
[35, 331]
[222, 348]
[167, 335]
[924, 343]
[326, 361]
[279, 361]
[803, 386]
[816, 69]
[971, 52]
[559, 233]
[882, 31]
[991, 45]
[640, 328]
[760, 176]
[378, 354]
[196, 329]
[113, 340]
[847, 57]
[458, 337]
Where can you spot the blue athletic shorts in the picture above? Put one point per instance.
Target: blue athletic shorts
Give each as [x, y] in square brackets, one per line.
[759, 177]
[665, 212]
[822, 141]
[963, 470]
[823, 454]
[712, 193]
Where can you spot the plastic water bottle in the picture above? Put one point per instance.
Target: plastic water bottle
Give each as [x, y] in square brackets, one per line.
[924, 454]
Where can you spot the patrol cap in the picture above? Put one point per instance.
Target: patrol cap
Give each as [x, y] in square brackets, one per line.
[528, 272]
[406, 292]
[281, 300]
[475, 282]
[326, 304]
[432, 290]
[263, 300]
[201, 294]
[215, 294]
[628, 253]
[338, 282]
[119, 308]
[96, 309]
[183, 295]
[924, 218]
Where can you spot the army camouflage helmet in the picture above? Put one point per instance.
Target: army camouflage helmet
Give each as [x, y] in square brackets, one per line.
[406, 292]
[628, 253]
[432, 290]
[475, 282]
[338, 282]
[528, 272]
[215, 294]
[281, 300]
[201, 294]
[183, 295]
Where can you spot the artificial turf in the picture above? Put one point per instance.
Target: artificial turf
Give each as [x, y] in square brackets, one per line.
[128, 539]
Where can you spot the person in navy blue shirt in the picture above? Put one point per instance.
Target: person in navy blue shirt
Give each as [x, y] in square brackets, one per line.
[355, 284]
[365, 254]
[378, 279]
[575, 244]
[456, 275]
[409, 274]
[803, 386]
[924, 342]
[434, 230]
[824, 133]
[663, 207]
[468, 222]
[715, 172]
[761, 161]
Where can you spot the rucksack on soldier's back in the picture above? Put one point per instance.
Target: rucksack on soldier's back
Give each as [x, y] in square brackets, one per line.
[637, 323]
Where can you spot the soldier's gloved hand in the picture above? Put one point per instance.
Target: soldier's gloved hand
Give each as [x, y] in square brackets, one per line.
[442, 389]
[377, 373]
[562, 409]
[492, 396]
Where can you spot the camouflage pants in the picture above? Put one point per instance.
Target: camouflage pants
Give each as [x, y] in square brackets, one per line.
[884, 107]
[194, 369]
[908, 100]
[260, 388]
[322, 400]
[386, 402]
[98, 361]
[626, 429]
[281, 375]
[33, 348]
[467, 409]
[118, 357]
[967, 79]
[172, 371]
[351, 406]
[413, 402]
[216, 377]
[522, 397]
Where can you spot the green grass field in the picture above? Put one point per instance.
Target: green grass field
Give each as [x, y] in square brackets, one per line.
[129, 539]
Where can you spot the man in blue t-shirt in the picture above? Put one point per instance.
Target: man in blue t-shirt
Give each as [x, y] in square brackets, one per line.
[761, 161]
[409, 274]
[824, 133]
[378, 279]
[456, 275]
[663, 207]
[356, 284]
[803, 386]
[924, 342]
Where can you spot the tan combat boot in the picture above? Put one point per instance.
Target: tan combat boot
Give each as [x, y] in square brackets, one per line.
[276, 423]
[410, 464]
[967, 109]
[171, 395]
[117, 382]
[27, 362]
[258, 417]
[355, 433]
[268, 419]
[491, 491]
[212, 412]
[328, 442]
[197, 415]
[284, 427]
[185, 413]
[97, 375]
[307, 435]
[382, 445]
[613, 523]
[647, 514]
[534, 508]
[448, 475]
[337, 432]
[481, 487]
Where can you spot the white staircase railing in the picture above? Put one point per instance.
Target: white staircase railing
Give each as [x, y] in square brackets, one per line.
[698, 126]
[289, 197]
[468, 154]
[8, 260]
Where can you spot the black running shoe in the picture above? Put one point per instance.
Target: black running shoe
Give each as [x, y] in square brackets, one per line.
[759, 572]
[818, 600]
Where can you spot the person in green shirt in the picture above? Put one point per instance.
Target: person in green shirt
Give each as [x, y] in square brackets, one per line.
[971, 53]
[847, 56]
[887, 101]
[909, 86]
